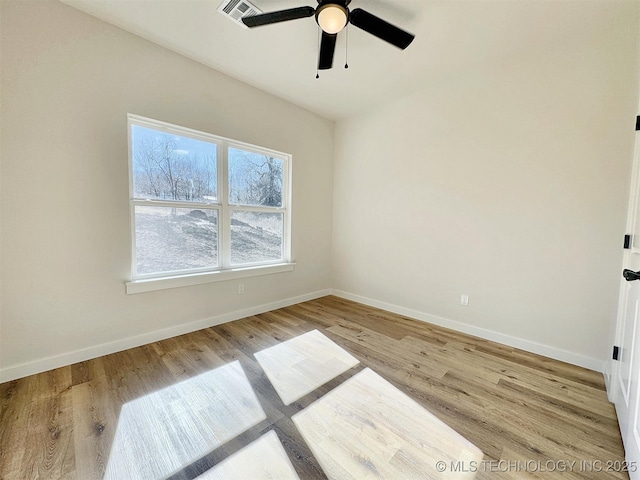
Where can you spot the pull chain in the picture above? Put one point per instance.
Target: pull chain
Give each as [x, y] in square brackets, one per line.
[346, 47]
[318, 59]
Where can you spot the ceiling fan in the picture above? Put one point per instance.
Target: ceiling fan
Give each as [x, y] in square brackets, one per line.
[332, 16]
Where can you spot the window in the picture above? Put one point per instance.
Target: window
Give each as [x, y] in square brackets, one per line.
[202, 204]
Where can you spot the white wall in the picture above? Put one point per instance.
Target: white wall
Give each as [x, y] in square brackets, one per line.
[68, 81]
[507, 182]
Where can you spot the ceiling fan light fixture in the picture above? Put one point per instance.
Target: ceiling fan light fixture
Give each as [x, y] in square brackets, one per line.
[332, 17]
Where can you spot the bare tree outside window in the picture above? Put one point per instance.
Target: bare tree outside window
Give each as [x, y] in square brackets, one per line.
[168, 167]
[254, 179]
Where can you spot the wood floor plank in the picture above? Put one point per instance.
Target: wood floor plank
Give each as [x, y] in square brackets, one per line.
[94, 422]
[538, 362]
[299, 453]
[51, 428]
[556, 410]
[389, 347]
[513, 405]
[14, 421]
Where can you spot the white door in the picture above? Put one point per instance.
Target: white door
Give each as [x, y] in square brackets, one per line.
[625, 379]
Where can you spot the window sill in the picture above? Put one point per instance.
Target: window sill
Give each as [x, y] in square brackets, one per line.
[151, 284]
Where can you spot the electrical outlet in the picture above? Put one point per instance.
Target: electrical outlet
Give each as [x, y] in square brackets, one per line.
[241, 288]
[464, 300]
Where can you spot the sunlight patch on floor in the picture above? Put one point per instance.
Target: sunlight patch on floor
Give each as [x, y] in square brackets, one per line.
[299, 366]
[367, 428]
[363, 428]
[263, 458]
[162, 432]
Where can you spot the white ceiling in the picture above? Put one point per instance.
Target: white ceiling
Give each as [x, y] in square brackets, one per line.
[452, 36]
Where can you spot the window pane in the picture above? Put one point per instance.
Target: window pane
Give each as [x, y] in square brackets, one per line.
[256, 237]
[254, 179]
[172, 167]
[170, 239]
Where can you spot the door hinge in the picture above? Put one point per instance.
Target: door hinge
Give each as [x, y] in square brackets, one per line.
[637, 123]
[616, 352]
[627, 241]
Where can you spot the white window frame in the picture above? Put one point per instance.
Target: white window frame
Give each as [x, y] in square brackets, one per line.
[224, 270]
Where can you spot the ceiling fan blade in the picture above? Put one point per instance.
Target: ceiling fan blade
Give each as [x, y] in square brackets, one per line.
[279, 16]
[380, 28]
[327, 48]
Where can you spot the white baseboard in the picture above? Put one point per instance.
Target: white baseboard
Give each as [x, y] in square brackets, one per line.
[69, 358]
[527, 345]
[81, 355]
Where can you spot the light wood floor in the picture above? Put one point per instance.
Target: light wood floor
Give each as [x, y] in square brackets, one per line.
[525, 412]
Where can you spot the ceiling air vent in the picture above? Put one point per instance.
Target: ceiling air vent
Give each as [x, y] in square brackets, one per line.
[236, 9]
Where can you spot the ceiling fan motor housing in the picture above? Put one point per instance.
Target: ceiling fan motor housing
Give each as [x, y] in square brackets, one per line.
[332, 16]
